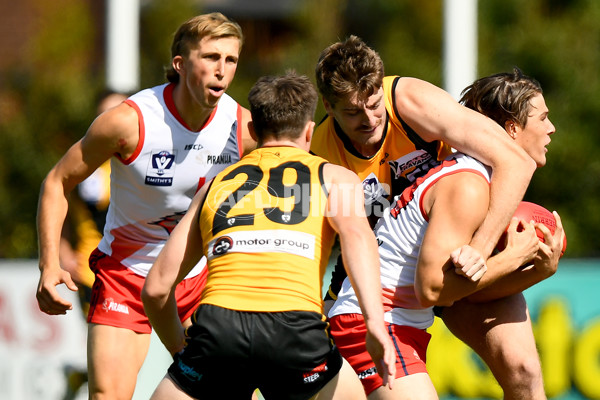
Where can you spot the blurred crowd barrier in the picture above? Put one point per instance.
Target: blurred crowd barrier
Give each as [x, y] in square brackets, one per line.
[38, 351]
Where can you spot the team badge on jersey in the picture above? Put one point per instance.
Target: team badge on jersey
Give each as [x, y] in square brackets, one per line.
[374, 190]
[161, 168]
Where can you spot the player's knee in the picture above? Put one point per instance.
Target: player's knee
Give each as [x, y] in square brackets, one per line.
[524, 374]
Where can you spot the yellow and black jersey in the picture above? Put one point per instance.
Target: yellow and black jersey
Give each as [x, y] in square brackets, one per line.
[403, 156]
[264, 232]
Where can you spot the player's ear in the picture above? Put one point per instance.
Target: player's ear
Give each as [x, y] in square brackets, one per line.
[177, 63]
[252, 131]
[328, 107]
[511, 128]
[309, 129]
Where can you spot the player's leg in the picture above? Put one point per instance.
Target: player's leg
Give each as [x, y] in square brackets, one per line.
[410, 387]
[115, 356]
[500, 333]
[345, 386]
[168, 390]
[411, 349]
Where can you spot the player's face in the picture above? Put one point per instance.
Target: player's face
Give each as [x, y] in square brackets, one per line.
[209, 69]
[362, 121]
[535, 136]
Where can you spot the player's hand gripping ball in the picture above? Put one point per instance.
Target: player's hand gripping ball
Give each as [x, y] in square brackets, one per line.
[527, 211]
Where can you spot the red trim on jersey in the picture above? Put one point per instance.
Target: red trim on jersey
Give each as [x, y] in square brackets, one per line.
[142, 134]
[168, 97]
[407, 195]
[239, 131]
[422, 208]
[122, 246]
[201, 183]
[400, 297]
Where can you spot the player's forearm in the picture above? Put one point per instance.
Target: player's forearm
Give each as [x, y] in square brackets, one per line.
[510, 179]
[515, 282]
[443, 289]
[52, 211]
[522, 278]
[162, 314]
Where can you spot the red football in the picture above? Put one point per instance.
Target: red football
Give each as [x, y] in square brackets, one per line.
[528, 211]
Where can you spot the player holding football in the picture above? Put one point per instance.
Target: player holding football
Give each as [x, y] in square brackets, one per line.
[387, 129]
[437, 214]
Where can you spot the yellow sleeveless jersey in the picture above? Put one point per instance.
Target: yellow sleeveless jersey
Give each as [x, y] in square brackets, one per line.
[264, 233]
[402, 158]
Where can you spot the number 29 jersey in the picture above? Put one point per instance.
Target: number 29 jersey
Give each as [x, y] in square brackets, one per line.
[264, 233]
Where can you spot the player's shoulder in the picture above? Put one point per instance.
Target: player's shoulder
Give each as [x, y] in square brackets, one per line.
[333, 173]
[462, 185]
[116, 120]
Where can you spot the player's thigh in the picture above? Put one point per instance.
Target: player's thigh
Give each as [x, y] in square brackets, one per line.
[115, 356]
[475, 323]
[345, 386]
[168, 390]
[410, 387]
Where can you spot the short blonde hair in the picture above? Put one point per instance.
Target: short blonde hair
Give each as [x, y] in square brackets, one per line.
[191, 32]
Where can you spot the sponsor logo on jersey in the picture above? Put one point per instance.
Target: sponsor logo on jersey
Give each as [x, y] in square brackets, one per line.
[220, 159]
[222, 245]
[275, 241]
[161, 168]
[409, 161]
[193, 146]
[110, 305]
[315, 373]
[188, 372]
[366, 373]
[412, 165]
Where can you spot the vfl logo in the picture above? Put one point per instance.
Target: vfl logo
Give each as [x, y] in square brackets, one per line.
[222, 245]
[374, 190]
[162, 161]
[161, 168]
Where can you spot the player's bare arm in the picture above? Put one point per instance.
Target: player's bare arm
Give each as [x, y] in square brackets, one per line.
[435, 115]
[115, 131]
[538, 260]
[456, 206]
[347, 216]
[182, 251]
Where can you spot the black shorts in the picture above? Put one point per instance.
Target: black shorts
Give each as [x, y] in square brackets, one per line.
[229, 354]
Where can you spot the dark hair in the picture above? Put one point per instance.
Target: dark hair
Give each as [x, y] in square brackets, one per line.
[282, 105]
[189, 34]
[502, 97]
[349, 67]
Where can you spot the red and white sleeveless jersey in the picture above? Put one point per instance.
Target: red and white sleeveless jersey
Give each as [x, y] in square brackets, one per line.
[152, 189]
[400, 232]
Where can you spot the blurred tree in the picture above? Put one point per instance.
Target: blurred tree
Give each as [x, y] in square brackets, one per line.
[49, 93]
[557, 42]
[47, 99]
